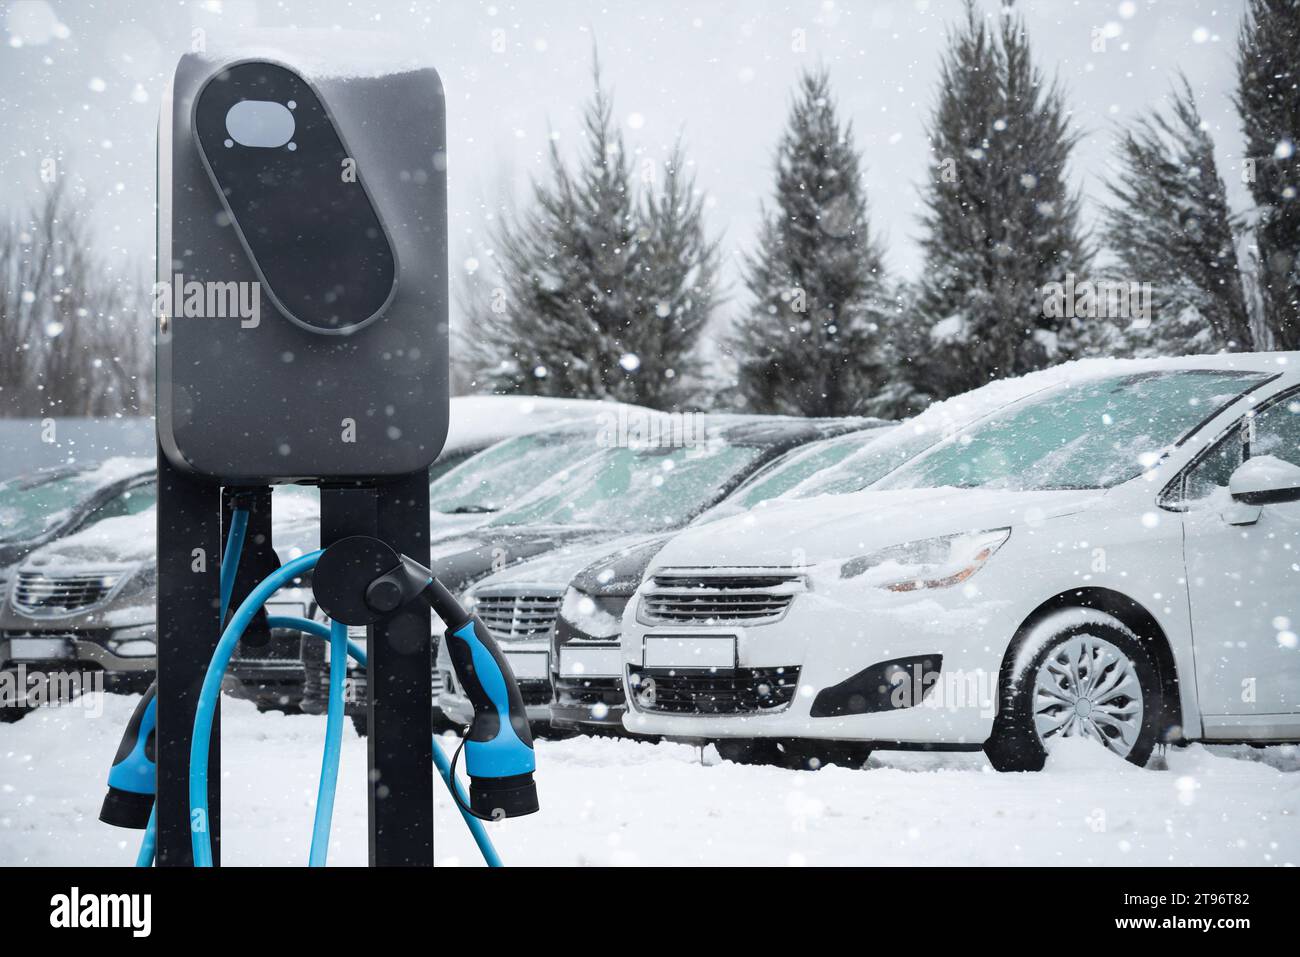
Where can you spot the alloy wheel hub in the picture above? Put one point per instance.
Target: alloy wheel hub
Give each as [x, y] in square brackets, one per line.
[1087, 687]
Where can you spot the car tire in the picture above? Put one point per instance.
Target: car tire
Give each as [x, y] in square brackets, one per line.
[840, 754]
[360, 723]
[1094, 679]
[756, 751]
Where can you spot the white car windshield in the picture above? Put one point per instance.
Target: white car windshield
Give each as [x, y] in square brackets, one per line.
[870, 464]
[1087, 436]
[798, 466]
[643, 489]
[497, 476]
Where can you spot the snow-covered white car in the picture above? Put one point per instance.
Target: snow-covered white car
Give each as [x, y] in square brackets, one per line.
[586, 661]
[1112, 557]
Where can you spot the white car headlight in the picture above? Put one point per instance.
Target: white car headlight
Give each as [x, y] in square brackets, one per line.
[928, 563]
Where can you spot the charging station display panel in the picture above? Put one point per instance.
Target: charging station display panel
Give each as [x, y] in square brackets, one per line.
[277, 160]
[302, 288]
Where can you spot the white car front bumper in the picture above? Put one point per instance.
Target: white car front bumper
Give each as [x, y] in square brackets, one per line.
[838, 663]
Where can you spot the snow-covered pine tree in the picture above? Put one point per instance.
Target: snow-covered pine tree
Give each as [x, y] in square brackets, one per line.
[599, 294]
[554, 324]
[1268, 99]
[1001, 219]
[1169, 224]
[677, 276]
[811, 343]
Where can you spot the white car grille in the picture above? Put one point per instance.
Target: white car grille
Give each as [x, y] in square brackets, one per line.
[518, 615]
[37, 592]
[693, 597]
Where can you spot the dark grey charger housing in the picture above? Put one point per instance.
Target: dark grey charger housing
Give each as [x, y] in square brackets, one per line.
[301, 304]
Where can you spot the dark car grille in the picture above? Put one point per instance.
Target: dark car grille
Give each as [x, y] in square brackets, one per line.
[285, 645]
[37, 592]
[589, 691]
[714, 691]
[536, 692]
[518, 616]
[702, 599]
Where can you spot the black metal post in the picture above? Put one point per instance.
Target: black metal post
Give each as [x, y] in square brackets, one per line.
[401, 695]
[399, 673]
[189, 575]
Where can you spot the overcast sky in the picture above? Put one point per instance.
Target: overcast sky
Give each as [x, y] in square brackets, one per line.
[81, 81]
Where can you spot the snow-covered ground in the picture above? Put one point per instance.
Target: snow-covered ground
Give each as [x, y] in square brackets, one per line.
[608, 801]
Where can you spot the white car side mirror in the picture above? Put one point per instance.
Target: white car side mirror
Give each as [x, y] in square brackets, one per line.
[1265, 480]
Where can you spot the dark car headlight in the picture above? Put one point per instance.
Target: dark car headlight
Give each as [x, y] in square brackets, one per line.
[138, 641]
[594, 616]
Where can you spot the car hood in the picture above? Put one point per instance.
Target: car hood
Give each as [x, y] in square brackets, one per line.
[835, 527]
[117, 542]
[443, 525]
[559, 566]
[131, 540]
[460, 562]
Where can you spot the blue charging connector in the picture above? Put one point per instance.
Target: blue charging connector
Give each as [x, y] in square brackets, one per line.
[132, 780]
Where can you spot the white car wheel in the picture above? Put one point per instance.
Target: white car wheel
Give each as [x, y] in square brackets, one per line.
[1094, 680]
[1088, 687]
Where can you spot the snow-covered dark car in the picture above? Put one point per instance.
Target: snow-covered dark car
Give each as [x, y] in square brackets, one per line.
[621, 497]
[39, 507]
[519, 442]
[53, 619]
[87, 601]
[89, 596]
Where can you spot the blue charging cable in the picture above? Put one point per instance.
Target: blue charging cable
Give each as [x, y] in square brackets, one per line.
[329, 768]
[210, 694]
[340, 649]
[230, 557]
[358, 654]
[229, 565]
[201, 843]
[149, 843]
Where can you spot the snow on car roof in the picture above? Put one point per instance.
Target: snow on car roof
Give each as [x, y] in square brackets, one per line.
[944, 418]
[749, 429]
[961, 409]
[477, 421]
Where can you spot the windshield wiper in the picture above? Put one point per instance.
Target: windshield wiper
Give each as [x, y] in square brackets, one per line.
[471, 510]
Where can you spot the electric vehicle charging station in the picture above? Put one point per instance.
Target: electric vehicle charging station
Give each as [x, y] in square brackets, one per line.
[302, 338]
